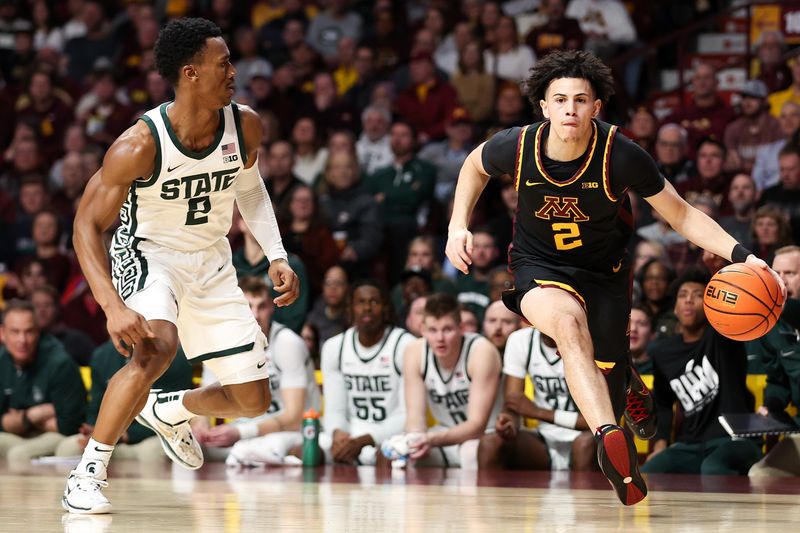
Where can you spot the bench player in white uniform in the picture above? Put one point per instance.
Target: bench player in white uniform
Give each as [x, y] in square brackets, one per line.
[561, 441]
[361, 372]
[172, 178]
[457, 376]
[268, 438]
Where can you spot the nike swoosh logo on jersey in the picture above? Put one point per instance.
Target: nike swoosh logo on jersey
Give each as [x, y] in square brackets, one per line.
[97, 449]
[530, 183]
[220, 268]
[261, 364]
[616, 268]
[170, 169]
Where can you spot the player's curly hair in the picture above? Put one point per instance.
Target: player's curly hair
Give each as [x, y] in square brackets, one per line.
[180, 41]
[569, 64]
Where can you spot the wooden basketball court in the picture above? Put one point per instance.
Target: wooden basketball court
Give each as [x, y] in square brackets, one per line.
[163, 498]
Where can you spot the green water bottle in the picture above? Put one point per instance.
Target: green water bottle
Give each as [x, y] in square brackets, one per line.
[312, 456]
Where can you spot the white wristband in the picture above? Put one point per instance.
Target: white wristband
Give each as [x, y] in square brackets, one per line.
[248, 430]
[567, 419]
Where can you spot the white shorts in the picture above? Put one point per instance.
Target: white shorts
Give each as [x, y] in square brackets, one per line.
[559, 445]
[199, 293]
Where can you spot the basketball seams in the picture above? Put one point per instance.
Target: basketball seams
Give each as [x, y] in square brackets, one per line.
[751, 270]
[771, 310]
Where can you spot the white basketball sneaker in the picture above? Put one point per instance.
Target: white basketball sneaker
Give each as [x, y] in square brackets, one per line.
[177, 440]
[83, 495]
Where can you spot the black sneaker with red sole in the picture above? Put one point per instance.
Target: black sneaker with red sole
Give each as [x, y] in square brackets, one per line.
[640, 413]
[618, 460]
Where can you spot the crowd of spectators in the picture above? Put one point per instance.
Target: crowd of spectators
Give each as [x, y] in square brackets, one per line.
[369, 109]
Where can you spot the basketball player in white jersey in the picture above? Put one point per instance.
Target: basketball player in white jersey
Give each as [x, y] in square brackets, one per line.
[457, 376]
[266, 439]
[361, 371]
[172, 179]
[561, 441]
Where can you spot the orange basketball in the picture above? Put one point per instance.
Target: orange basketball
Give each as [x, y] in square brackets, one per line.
[742, 302]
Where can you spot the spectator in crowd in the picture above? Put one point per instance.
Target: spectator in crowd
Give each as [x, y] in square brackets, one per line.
[706, 373]
[46, 232]
[74, 141]
[32, 199]
[786, 194]
[279, 37]
[281, 180]
[498, 323]
[507, 59]
[47, 33]
[82, 52]
[428, 101]
[43, 393]
[268, 438]
[50, 108]
[706, 114]
[358, 94]
[412, 284]
[790, 93]
[47, 311]
[103, 111]
[606, 23]
[753, 129]
[32, 275]
[138, 442]
[330, 112]
[310, 156]
[473, 288]
[73, 178]
[742, 195]
[373, 147]
[671, 153]
[502, 223]
[465, 404]
[500, 280]
[660, 232]
[329, 316]
[389, 41]
[766, 169]
[641, 335]
[448, 155]
[685, 253]
[449, 51]
[422, 256]
[771, 68]
[250, 60]
[474, 86]
[358, 417]
[258, 88]
[770, 231]
[469, 319]
[509, 108]
[332, 24]
[642, 129]
[646, 250]
[558, 32]
[416, 315]
[561, 439]
[305, 235]
[710, 178]
[778, 351]
[655, 279]
[351, 213]
[310, 337]
[25, 160]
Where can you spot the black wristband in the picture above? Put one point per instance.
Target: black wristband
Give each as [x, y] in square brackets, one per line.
[739, 254]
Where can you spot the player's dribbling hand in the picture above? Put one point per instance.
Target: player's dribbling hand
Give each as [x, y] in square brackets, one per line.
[754, 261]
[126, 328]
[285, 281]
[459, 248]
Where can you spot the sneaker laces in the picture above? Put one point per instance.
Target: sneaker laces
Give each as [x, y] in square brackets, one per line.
[636, 408]
[83, 479]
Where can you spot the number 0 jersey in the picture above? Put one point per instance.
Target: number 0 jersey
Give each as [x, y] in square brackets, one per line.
[448, 391]
[572, 213]
[187, 203]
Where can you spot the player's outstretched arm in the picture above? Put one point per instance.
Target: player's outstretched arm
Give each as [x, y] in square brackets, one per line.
[472, 180]
[256, 209]
[484, 368]
[130, 157]
[701, 229]
[415, 394]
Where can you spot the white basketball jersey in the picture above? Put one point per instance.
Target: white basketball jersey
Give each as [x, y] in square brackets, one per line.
[526, 354]
[187, 203]
[279, 377]
[448, 392]
[372, 376]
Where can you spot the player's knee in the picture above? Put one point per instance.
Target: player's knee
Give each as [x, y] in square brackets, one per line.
[567, 325]
[490, 451]
[256, 401]
[150, 364]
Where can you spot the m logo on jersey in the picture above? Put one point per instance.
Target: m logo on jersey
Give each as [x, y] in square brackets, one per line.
[566, 207]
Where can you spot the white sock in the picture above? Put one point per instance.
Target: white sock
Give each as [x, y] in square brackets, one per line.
[169, 408]
[95, 458]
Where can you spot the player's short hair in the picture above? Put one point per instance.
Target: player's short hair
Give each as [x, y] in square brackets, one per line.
[17, 304]
[179, 42]
[388, 309]
[442, 304]
[570, 64]
[788, 249]
[253, 285]
[647, 312]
